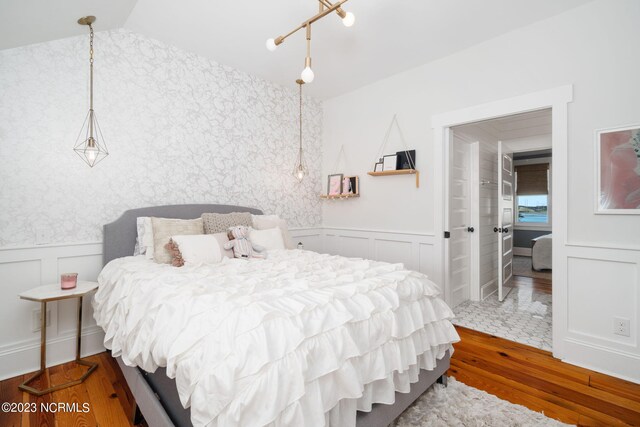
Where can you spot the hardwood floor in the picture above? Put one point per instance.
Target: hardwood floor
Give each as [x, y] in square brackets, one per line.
[109, 400]
[533, 378]
[514, 372]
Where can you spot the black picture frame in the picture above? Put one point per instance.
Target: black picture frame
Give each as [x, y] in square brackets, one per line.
[378, 167]
[406, 159]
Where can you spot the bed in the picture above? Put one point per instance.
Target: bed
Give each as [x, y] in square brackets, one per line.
[541, 252]
[330, 340]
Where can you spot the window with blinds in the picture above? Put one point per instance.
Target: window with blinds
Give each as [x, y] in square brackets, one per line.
[532, 179]
[532, 193]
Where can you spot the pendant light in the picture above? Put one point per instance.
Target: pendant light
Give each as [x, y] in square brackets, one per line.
[325, 7]
[300, 171]
[90, 145]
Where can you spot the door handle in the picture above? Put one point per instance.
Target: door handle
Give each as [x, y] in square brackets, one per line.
[505, 230]
[471, 229]
[497, 230]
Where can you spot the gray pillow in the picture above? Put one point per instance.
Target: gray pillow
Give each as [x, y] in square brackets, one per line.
[220, 223]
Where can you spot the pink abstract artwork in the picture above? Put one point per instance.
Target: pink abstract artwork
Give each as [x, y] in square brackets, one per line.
[620, 169]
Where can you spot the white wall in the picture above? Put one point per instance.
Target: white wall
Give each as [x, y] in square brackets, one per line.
[592, 47]
[180, 129]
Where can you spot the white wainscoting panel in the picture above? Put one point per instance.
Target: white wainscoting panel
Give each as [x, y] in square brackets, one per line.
[311, 238]
[603, 283]
[414, 250]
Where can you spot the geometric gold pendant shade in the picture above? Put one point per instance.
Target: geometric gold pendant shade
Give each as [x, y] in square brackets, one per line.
[90, 145]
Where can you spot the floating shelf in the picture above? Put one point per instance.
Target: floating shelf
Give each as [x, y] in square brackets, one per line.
[338, 196]
[399, 172]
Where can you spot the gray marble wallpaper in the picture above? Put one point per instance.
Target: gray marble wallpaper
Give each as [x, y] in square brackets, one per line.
[180, 129]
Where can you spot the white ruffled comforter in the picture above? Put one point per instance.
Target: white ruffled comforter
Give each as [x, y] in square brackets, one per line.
[298, 339]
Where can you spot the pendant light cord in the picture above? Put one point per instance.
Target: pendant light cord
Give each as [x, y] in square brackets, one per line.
[91, 81]
[300, 150]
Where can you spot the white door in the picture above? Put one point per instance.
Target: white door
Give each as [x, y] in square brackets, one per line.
[460, 227]
[505, 222]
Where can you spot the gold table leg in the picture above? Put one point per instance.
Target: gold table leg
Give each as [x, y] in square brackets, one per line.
[43, 355]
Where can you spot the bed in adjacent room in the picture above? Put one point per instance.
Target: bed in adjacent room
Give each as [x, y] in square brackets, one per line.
[298, 338]
[541, 252]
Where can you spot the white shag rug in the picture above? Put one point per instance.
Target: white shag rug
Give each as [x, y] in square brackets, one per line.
[461, 405]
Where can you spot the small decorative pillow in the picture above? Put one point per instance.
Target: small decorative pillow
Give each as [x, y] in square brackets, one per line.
[194, 249]
[164, 228]
[268, 239]
[220, 223]
[174, 252]
[264, 222]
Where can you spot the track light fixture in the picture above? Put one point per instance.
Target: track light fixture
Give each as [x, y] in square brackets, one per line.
[325, 7]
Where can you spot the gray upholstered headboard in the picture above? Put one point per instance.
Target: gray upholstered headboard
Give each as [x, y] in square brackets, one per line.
[119, 238]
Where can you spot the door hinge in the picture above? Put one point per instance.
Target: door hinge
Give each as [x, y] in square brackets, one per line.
[447, 234]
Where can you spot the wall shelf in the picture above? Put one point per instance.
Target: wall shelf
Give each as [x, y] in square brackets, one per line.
[338, 196]
[399, 172]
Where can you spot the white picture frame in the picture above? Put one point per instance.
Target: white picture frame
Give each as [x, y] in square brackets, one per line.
[389, 162]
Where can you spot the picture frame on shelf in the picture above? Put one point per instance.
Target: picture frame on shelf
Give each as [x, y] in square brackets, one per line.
[618, 170]
[378, 167]
[389, 162]
[334, 184]
[350, 185]
[406, 159]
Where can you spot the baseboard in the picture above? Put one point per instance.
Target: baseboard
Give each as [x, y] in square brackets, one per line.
[615, 363]
[488, 289]
[24, 357]
[521, 251]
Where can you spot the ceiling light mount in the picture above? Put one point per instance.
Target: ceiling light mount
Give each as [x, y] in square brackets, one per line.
[325, 7]
[87, 20]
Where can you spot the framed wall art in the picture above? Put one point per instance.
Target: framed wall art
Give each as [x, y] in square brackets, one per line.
[334, 186]
[618, 170]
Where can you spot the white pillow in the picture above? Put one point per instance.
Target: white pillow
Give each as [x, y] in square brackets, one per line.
[264, 222]
[198, 248]
[223, 238]
[268, 239]
[144, 241]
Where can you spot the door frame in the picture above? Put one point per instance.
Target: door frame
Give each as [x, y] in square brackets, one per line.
[557, 99]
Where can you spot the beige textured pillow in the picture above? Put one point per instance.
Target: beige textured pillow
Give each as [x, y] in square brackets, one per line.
[164, 228]
[220, 223]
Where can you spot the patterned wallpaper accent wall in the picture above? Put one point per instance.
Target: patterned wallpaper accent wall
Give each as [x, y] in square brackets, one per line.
[179, 127]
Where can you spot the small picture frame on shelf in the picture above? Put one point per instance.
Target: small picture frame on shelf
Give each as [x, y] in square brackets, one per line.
[389, 162]
[406, 159]
[350, 185]
[378, 167]
[334, 184]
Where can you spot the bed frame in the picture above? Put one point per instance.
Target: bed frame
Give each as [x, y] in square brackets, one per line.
[156, 395]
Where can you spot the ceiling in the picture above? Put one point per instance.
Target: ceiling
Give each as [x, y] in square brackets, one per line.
[24, 22]
[388, 36]
[516, 126]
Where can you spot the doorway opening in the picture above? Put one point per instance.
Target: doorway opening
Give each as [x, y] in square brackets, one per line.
[500, 219]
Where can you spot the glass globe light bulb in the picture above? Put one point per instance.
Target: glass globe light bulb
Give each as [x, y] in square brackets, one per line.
[349, 19]
[307, 75]
[271, 45]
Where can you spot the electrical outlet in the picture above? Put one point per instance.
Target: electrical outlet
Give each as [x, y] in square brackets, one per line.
[621, 326]
[36, 320]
